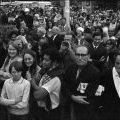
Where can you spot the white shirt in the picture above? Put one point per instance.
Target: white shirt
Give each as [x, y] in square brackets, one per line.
[12, 90]
[116, 79]
[53, 87]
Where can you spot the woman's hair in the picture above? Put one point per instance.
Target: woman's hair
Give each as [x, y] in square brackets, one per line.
[12, 33]
[33, 68]
[54, 54]
[8, 57]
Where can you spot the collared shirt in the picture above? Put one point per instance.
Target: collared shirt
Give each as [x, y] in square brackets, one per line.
[95, 47]
[12, 90]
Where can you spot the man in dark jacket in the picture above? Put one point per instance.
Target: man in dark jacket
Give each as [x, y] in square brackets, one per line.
[98, 51]
[26, 18]
[82, 80]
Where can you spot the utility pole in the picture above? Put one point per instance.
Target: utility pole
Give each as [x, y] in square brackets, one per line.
[67, 12]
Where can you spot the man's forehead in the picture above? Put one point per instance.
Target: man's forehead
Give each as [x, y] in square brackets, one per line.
[81, 49]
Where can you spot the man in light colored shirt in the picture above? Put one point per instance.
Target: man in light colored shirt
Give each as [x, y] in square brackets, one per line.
[15, 93]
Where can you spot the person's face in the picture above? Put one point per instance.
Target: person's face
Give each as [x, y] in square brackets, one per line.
[79, 33]
[28, 59]
[97, 30]
[63, 22]
[50, 24]
[97, 40]
[82, 56]
[62, 48]
[43, 41]
[111, 33]
[108, 46]
[12, 51]
[46, 61]
[117, 64]
[22, 31]
[76, 26]
[13, 37]
[40, 33]
[19, 43]
[87, 35]
[15, 74]
[41, 20]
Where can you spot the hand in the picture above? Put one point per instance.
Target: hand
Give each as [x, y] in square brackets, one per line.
[100, 90]
[18, 99]
[28, 76]
[6, 75]
[79, 99]
[34, 85]
[90, 60]
[102, 59]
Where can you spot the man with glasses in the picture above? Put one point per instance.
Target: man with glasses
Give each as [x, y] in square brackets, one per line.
[83, 79]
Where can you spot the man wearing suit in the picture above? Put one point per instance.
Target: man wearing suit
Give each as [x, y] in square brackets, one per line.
[81, 80]
[98, 51]
[56, 38]
[111, 96]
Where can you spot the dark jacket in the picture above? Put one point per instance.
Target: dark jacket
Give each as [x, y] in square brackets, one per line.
[110, 99]
[97, 54]
[90, 74]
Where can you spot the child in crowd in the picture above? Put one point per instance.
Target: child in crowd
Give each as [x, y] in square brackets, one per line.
[15, 93]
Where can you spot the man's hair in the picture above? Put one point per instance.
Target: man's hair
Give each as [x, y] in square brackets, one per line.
[17, 65]
[88, 30]
[98, 34]
[12, 33]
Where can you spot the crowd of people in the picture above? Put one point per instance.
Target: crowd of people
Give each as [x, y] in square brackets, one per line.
[52, 71]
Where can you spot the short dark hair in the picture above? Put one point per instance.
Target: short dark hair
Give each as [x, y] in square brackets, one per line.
[98, 34]
[12, 33]
[88, 30]
[17, 65]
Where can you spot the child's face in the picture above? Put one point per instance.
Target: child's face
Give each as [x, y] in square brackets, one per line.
[15, 74]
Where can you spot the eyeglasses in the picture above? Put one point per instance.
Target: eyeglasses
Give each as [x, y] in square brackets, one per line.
[82, 55]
